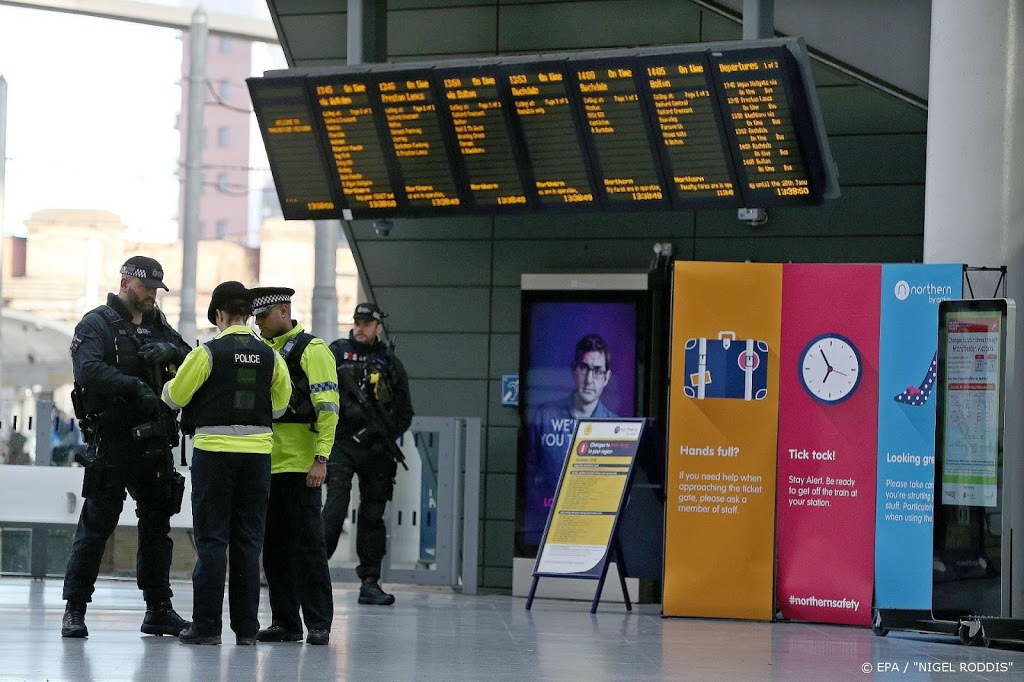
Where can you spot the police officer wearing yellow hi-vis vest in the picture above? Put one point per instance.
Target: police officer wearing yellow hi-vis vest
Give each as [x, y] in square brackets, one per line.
[231, 388]
[294, 557]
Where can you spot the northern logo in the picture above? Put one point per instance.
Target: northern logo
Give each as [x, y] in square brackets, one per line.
[935, 292]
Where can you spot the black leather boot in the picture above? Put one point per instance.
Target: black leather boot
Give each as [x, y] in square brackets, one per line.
[279, 633]
[161, 619]
[73, 624]
[370, 593]
[192, 636]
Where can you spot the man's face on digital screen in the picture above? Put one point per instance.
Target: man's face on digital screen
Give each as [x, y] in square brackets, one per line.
[591, 375]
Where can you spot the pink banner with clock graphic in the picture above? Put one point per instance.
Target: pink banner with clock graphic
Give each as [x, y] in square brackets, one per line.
[828, 426]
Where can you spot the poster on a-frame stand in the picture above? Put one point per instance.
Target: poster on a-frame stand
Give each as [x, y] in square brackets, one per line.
[581, 534]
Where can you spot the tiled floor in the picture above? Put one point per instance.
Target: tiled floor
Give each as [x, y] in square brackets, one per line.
[432, 634]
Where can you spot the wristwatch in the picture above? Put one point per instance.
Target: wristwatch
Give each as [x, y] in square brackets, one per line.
[321, 459]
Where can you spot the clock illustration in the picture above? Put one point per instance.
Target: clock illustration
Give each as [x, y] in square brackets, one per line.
[830, 368]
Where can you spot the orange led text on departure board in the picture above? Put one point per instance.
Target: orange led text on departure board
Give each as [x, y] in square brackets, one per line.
[688, 129]
[481, 131]
[541, 102]
[757, 110]
[299, 175]
[355, 147]
[412, 120]
[615, 122]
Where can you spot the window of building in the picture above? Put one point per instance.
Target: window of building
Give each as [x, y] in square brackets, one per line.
[223, 136]
[224, 90]
[222, 182]
[225, 45]
[222, 229]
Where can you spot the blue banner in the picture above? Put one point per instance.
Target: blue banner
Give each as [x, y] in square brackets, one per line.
[906, 430]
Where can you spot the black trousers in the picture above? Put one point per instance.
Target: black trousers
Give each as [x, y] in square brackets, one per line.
[376, 486]
[293, 555]
[120, 468]
[230, 491]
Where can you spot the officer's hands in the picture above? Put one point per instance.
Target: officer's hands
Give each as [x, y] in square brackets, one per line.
[145, 400]
[317, 474]
[161, 353]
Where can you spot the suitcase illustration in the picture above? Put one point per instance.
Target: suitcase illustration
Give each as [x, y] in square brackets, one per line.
[726, 368]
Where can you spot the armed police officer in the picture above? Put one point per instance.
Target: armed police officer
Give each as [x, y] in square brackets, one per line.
[122, 352]
[376, 411]
[231, 388]
[293, 551]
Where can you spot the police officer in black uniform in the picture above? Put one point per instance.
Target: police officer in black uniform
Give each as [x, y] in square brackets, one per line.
[121, 354]
[368, 425]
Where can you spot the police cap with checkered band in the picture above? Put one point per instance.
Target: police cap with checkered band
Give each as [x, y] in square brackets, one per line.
[147, 270]
[265, 298]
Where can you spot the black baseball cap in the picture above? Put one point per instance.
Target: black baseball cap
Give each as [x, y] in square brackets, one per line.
[369, 311]
[224, 292]
[147, 270]
[265, 298]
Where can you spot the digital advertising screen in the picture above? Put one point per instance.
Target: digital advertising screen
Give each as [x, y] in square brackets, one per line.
[579, 358]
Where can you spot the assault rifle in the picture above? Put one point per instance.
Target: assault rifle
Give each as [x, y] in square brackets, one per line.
[376, 433]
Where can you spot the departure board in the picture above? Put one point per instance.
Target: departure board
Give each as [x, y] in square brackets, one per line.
[475, 109]
[293, 149]
[722, 125]
[616, 129]
[545, 114]
[689, 131]
[409, 108]
[754, 89]
[353, 145]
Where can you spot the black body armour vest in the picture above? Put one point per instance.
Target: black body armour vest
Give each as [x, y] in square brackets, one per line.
[355, 359]
[123, 352]
[300, 407]
[237, 392]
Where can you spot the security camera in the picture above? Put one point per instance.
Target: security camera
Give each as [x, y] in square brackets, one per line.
[382, 227]
[754, 217]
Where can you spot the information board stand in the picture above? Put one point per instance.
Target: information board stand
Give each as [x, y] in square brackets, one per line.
[974, 470]
[976, 582]
[581, 535]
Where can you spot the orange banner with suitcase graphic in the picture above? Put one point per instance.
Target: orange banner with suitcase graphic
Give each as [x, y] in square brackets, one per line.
[723, 427]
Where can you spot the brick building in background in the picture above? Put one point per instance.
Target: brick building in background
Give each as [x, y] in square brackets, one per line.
[224, 207]
[87, 248]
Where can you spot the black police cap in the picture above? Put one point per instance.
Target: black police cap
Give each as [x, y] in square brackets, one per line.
[147, 270]
[224, 292]
[369, 311]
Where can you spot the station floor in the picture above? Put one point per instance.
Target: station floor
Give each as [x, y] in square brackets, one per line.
[434, 634]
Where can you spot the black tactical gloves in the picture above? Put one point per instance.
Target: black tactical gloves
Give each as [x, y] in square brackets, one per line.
[161, 353]
[145, 400]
